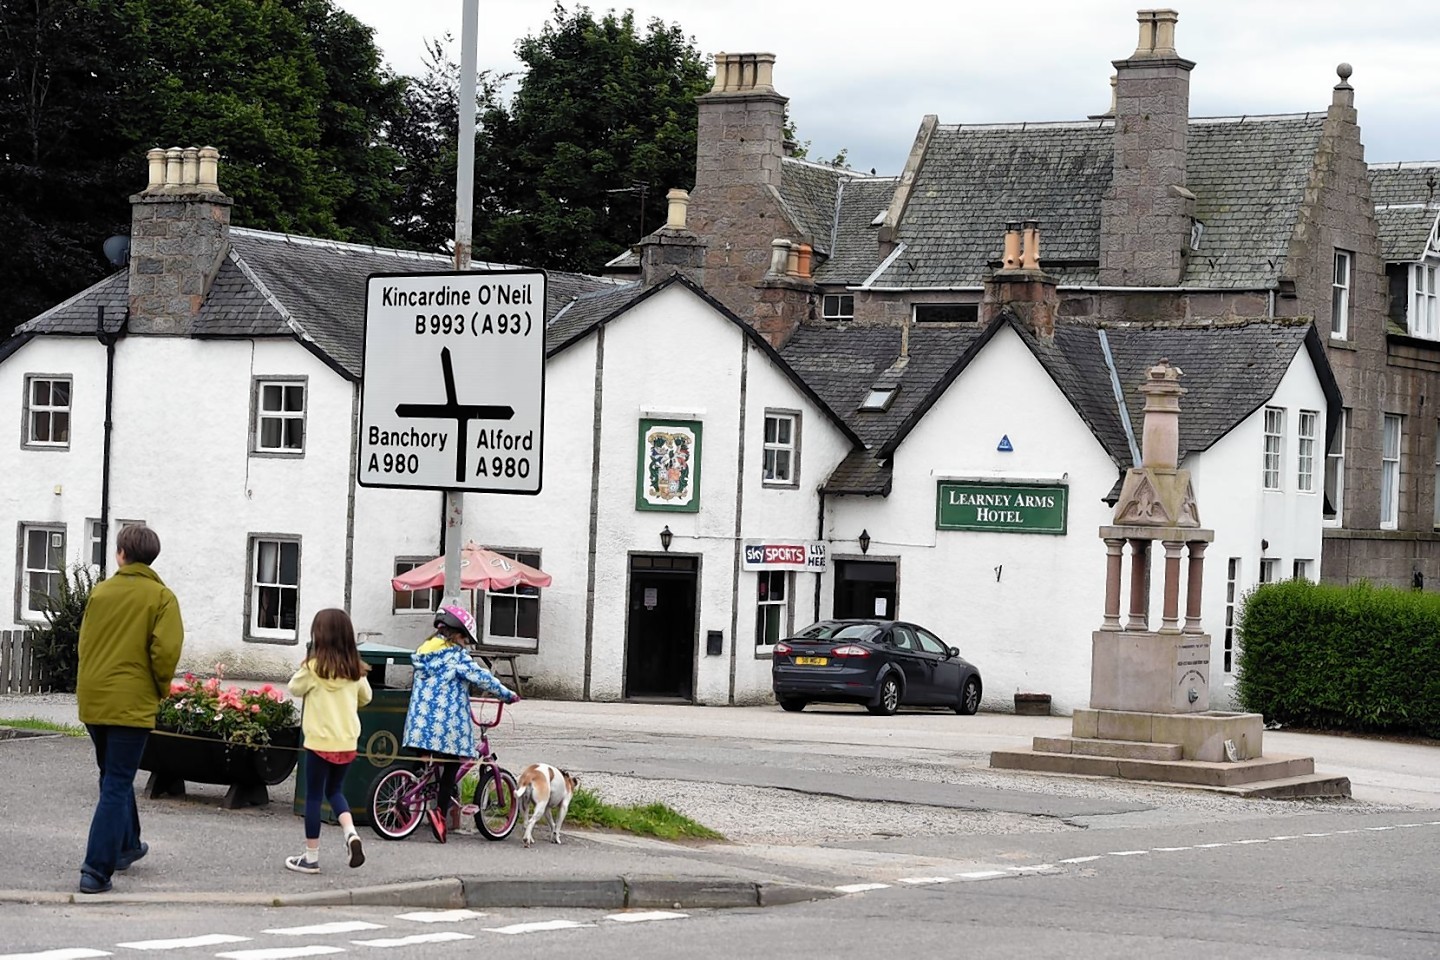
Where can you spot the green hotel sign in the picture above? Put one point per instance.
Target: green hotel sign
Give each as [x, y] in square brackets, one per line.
[998, 508]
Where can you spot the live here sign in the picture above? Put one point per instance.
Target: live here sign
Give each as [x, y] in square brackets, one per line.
[453, 382]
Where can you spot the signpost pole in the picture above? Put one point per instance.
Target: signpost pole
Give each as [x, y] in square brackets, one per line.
[464, 205]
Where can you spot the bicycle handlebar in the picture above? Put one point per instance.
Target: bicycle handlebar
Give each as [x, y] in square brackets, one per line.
[475, 717]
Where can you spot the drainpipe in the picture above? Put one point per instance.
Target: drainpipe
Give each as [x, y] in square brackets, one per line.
[109, 339]
[819, 535]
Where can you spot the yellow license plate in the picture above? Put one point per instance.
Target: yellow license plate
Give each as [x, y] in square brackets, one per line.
[812, 661]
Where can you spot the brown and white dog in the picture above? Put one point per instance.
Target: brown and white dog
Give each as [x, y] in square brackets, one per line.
[548, 789]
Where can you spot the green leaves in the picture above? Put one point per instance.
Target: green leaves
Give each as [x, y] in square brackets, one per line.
[57, 644]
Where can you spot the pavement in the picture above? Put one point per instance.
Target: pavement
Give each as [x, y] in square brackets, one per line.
[201, 853]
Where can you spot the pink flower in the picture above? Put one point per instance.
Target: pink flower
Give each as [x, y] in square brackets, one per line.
[212, 685]
[254, 708]
[177, 686]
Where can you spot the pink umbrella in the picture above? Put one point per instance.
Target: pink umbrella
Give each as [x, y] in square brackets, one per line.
[480, 569]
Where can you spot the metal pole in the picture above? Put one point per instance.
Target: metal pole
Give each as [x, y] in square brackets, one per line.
[464, 205]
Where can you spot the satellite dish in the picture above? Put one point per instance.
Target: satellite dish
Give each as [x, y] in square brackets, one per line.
[117, 250]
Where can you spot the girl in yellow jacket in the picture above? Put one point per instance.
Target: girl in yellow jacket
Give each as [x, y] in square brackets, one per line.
[332, 681]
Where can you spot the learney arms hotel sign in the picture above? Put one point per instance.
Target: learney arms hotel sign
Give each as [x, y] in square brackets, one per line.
[997, 508]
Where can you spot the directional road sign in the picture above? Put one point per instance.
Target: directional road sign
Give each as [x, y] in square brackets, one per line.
[453, 393]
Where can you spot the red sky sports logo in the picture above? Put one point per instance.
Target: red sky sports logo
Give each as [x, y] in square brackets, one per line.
[787, 553]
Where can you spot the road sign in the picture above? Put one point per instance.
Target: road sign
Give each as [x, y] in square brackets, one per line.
[453, 390]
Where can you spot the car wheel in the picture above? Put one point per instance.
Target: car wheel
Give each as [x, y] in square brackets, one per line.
[889, 699]
[969, 697]
[791, 705]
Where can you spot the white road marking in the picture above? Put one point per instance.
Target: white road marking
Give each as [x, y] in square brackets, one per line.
[1251, 841]
[539, 926]
[204, 940]
[1285, 838]
[1210, 846]
[1127, 853]
[1317, 834]
[1409, 824]
[862, 887]
[320, 929]
[1379, 828]
[414, 938]
[280, 953]
[644, 916]
[1033, 868]
[1169, 849]
[982, 875]
[1080, 859]
[920, 880]
[440, 916]
[66, 953]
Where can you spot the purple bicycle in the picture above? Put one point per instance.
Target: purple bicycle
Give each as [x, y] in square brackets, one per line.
[400, 797]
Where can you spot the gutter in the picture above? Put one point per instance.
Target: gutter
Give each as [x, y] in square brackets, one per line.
[109, 339]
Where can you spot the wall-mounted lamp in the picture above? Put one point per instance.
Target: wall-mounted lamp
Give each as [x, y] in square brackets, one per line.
[666, 537]
[1264, 545]
[864, 541]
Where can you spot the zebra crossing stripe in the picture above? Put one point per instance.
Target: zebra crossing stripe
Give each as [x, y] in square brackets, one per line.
[644, 915]
[321, 929]
[862, 887]
[280, 953]
[440, 916]
[515, 928]
[66, 953]
[440, 936]
[204, 940]
[920, 880]
[982, 875]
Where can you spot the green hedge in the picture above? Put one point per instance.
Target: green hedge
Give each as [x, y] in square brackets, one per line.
[1353, 658]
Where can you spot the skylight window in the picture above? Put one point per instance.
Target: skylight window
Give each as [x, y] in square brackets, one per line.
[879, 399]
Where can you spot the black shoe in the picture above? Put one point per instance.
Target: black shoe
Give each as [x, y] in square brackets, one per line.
[90, 884]
[357, 853]
[130, 856]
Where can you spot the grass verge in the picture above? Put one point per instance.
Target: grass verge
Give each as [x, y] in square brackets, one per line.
[35, 723]
[587, 809]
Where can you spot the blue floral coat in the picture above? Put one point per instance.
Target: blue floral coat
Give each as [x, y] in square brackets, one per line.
[438, 720]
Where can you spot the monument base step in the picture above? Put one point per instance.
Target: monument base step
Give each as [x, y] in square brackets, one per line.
[1201, 773]
[1127, 749]
[1292, 788]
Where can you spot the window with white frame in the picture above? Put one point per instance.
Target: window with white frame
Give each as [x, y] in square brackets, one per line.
[274, 598]
[782, 448]
[772, 606]
[97, 542]
[1274, 446]
[1304, 570]
[838, 306]
[1340, 296]
[1334, 509]
[1390, 473]
[280, 416]
[1305, 471]
[1232, 594]
[1269, 569]
[47, 412]
[42, 567]
[1424, 313]
[514, 613]
[414, 601]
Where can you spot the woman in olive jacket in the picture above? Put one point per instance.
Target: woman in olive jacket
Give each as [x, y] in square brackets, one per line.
[130, 640]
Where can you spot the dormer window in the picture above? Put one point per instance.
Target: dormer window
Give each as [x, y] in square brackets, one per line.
[879, 399]
[1424, 312]
[838, 306]
[947, 313]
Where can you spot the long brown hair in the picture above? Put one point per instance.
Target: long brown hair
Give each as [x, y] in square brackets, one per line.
[332, 647]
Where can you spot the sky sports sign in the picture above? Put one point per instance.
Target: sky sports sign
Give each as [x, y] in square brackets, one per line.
[784, 555]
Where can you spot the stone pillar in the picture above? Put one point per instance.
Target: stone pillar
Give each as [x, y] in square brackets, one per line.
[1194, 585]
[1170, 615]
[1139, 585]
[1114, 558]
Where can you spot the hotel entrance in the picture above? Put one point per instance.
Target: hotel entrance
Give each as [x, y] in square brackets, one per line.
[865, 588]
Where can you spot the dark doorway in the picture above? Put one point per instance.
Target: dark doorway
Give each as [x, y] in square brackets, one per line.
[859, 584]
[660, 632]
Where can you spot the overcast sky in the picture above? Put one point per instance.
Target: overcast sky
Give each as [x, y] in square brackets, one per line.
[861, 77]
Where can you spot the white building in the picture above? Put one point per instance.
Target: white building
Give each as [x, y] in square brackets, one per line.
[857, 454]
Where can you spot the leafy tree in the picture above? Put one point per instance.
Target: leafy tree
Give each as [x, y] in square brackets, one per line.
[57, 644]
[601, 107]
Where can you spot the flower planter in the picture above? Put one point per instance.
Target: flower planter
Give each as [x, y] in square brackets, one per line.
[1032, 704]
[174, 758]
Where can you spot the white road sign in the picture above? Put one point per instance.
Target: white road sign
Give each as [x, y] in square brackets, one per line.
[453, 392]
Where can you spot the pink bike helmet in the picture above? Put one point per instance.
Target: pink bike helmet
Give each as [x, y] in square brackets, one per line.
[456, 618]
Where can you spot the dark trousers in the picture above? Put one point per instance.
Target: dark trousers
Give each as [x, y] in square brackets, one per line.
[322, 782]
[115, 827]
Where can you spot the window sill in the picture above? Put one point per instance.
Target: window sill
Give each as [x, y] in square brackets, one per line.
[780, 484]
[276, 639]
[762, 653]
[46, 447]
[279, 454]
[1341, 343]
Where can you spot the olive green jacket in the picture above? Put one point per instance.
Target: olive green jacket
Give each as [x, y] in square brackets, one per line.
[130, 641]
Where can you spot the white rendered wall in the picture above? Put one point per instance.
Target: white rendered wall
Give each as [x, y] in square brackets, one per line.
[1029, 630]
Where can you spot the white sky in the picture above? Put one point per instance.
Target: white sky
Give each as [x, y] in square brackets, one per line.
[861, 77]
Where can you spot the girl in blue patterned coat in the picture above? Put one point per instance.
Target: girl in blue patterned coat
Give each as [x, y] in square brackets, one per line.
[438, 723]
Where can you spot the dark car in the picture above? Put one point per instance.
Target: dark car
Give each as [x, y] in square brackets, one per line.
[880, 663]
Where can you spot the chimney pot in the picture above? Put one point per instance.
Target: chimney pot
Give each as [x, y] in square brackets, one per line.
[156, 159]
[792, 260]
[209, 170]
[1012, 246]
[1030, 258]
[190, 166]
[779, 255]
[678, 201]
[174, 159]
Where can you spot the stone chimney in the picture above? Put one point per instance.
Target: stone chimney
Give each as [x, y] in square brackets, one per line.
[179, 236]
[1021, 285]
[673, 248]
[741, 124]
[1146, 214]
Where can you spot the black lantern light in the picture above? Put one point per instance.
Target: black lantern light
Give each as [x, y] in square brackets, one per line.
[864, 541]
[665, 537]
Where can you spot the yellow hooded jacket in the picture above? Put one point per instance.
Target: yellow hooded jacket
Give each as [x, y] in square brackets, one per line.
[331, 720]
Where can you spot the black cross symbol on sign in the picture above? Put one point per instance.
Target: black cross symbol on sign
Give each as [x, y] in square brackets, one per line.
[452, 409]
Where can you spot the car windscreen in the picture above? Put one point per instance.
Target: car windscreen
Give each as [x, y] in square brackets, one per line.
[838, 631]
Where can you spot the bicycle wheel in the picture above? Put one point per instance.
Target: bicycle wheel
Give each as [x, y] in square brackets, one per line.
[396, 804]
[498, 811]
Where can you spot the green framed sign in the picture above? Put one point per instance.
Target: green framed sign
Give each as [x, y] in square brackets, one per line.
[668, 466]
[1001, 508]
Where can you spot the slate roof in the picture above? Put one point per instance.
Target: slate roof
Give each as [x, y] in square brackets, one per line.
[855, 250]
[1249, 175]
[1232, 369]
[275, 284]
[584, 313]
[1407, 206]
[810, 192]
